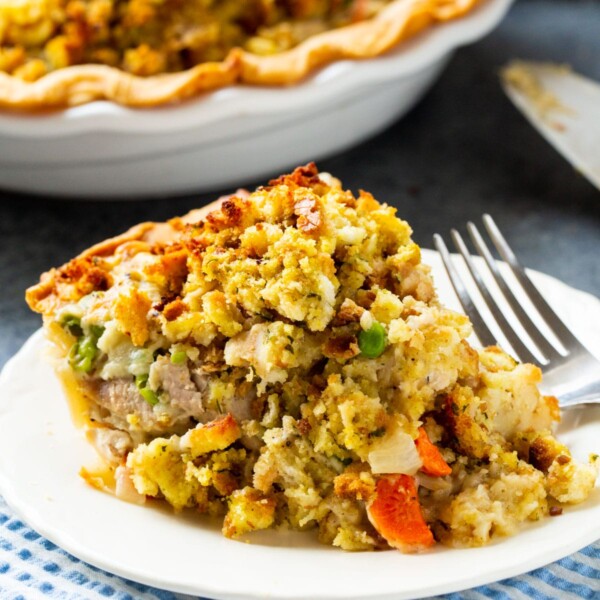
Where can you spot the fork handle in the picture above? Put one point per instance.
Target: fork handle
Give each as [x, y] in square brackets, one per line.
[588, 394]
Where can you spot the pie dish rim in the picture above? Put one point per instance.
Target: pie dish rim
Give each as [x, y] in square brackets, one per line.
[81, 84]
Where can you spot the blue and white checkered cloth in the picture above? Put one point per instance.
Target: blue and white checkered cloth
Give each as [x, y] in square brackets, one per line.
[32, 567]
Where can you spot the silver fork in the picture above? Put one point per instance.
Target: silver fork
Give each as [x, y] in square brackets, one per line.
[572, 375]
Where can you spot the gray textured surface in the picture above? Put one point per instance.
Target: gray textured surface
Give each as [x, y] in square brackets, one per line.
[463, 151]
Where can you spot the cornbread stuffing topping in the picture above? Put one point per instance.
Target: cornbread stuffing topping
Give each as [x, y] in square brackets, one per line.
[150, 52]
[148, 37]
[283, 361]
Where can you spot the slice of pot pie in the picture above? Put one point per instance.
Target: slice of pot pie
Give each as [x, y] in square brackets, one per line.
[57, 53]
[281, 359]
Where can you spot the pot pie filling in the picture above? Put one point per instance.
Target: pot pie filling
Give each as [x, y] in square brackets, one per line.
[283, 361]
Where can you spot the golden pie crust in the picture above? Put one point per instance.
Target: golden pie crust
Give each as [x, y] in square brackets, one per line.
[79, 84]
[45, 296]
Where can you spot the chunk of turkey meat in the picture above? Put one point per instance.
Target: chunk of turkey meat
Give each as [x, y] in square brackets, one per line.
[112, 444]
[185, 391]
[121, 398]
[185, 395]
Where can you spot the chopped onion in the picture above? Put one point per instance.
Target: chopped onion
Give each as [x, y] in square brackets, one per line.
[395, 453]
[124, 488]
[435, 484]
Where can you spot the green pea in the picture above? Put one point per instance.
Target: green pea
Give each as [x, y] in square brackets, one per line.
[73, 325]
[141, 381]
[373, 341]
[82, 354]
[96, 331]
[84, 351]
[178, 358]
[149, 396]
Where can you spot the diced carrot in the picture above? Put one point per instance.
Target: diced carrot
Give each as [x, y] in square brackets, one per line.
[433, 461]
[396, 514]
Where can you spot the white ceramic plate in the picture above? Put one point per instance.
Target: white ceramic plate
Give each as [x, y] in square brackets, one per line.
[41, 453]
[230, 136]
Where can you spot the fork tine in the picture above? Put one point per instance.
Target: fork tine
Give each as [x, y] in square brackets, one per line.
[549, 351]
[566, 338]
[518, 346]
[486, 338]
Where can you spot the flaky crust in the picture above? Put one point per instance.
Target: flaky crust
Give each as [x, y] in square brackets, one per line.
[76, 85]
[84, 83]
[44, 297]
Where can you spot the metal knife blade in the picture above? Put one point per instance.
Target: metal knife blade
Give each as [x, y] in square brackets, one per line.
[563, 106]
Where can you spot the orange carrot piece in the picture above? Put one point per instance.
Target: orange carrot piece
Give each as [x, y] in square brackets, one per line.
[396, 514]
[433, 461]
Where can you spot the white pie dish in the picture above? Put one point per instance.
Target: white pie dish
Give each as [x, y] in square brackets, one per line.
[230, 136]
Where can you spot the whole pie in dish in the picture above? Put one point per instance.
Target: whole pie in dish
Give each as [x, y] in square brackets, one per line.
[57, 53]
[280, 359]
